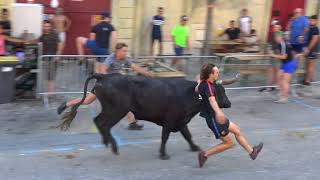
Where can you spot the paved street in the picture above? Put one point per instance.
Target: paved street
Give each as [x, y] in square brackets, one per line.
[32, 148]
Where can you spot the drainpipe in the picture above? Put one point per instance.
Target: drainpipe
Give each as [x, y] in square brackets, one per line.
[209, 22]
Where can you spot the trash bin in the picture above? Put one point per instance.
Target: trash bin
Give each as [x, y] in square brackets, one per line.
[7, 75]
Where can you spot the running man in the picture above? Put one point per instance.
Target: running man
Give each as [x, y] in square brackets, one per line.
[61, 25]
[156, 33]
[216, 120]
[311, 50]
[115, 63]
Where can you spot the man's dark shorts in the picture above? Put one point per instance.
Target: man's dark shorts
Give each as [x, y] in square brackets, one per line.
[178, 51]
[51, 67]
[219, 130]
[312, 55]
[298, 48]
[156, 38]
[95, 49]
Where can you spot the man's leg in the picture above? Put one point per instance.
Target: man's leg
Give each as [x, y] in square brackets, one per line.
[160, 47]
[50, 85]
[151, 46]
[176, 62]
[80, 43]
[233, 128]
[133, 125]
[310, 70]
[62, 37]
[226, 144]
[286, 84]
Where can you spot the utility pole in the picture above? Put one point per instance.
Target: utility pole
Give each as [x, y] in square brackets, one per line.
[209, 22]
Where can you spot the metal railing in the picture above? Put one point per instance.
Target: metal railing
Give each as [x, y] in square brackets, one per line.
[65, 74]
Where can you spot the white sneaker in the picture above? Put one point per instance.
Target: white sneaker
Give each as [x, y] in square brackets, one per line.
[282, 100]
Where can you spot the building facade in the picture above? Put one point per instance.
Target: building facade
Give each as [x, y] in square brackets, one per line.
[132, 18]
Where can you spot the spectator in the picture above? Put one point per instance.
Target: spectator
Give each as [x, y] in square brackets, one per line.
[27, 36]
[311, 50]
[298, 28]
[99, 39]
[251, 42]
[233, 32]
[5, 22]
[288, 67]
[61, 24]
[273, 70]
[156, 33]
[245, 22]
[4, 38]
[51, 46]
[180, 37]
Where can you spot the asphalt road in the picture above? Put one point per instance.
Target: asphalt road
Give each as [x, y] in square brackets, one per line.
[32, 148]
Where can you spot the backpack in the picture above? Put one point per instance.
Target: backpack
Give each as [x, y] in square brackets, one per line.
[220, 95]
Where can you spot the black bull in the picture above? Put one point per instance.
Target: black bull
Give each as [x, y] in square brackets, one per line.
[170, 103]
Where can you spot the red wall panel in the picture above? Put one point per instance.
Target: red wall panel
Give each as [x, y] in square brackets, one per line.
[80, 12]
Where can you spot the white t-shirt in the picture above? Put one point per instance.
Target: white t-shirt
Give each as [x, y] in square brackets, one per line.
[245, 24]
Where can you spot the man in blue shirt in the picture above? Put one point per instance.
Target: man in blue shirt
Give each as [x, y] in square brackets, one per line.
[156, 33]
[298, 28]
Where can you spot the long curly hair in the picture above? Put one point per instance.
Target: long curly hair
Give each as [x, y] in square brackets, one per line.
[206, 70]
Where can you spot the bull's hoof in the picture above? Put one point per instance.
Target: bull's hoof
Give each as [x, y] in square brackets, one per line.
[195, 148]
[164, 156]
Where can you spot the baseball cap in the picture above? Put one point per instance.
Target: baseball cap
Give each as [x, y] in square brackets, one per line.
[184, 17]
[106, 14]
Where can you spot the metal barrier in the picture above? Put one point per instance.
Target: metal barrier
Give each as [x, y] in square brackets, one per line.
[61, 75]
[65, 74]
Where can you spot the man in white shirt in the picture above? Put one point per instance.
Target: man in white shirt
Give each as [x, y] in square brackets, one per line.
[245, 22]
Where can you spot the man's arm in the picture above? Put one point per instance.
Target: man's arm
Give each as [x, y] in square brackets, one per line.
[68, 23]
[104, 69]
[231, 81]
[223, 33]
[141, 70]
[12, 39]
[113, 40]
[279, 56]
[314, 42]
[92, 36]
[188, 42]
[220, 117]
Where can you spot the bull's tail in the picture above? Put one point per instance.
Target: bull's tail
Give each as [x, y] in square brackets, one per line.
[69, 116]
